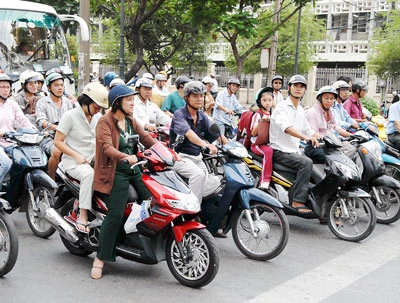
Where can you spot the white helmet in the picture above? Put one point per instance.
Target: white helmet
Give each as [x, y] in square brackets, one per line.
[208, 80]
[28, 76]
[143, 82]
[116, 81]
[148, 76]
[160, 77]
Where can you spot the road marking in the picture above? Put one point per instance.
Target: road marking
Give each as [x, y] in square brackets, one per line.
[336, 274]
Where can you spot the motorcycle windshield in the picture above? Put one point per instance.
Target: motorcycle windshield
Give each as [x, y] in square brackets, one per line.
[161, 154]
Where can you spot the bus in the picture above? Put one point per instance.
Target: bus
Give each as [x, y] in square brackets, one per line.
[31, 37]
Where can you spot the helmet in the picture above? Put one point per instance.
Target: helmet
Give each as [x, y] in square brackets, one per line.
[276, 77]
[40, 76]
[108, 77]
[28, 76]
[116, 81]
[148, 76]
[260, 92]
[327, 89]
[181, 80]
[118, 92]
[5, 77]
[164, 73]
[234, 81]
[340, 84]
[97, 93]
[160, 77]
[54, 70]
[394, 93]
[194, 87]
[143, 82]
[359, 84]
[298, 79]
[53, 77]
[208, 80]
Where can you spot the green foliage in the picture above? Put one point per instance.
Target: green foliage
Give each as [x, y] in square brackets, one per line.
[371, 105]
[384, 59]
[62, 7]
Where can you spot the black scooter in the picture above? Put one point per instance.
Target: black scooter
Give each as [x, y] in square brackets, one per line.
[27, 185]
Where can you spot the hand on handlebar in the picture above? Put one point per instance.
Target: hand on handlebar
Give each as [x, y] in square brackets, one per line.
[132, 159]
[313, 141]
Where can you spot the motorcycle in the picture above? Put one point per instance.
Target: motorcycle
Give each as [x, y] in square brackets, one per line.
[169, 233]
[384, 189]
[27, 185]
[260, 229]
[8, 239]
[348, 211]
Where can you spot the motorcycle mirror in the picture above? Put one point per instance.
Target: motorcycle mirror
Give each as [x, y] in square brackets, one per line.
[215, 128]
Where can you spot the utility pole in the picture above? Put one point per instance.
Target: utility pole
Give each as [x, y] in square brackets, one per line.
[84, 48]
[274, 44]
[296, 58]
[122, 42]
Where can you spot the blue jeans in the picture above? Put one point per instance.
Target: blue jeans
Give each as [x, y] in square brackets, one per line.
[5, 163]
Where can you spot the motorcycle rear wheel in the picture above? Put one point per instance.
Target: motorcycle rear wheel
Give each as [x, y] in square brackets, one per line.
[360, 222]
[8, 243]
[389, 210]
[74, 248]
[272, 228]
[201, 250]
[36, 219]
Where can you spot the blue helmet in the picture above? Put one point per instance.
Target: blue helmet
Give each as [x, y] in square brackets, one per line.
[108, 77]
[119, 91]
[53, 77]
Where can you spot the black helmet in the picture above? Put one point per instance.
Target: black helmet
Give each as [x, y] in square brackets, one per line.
[298, 79]
[257, 97]
[233, 81]
[194, 87]
[276, 77]
[359, 84]
[181, 80]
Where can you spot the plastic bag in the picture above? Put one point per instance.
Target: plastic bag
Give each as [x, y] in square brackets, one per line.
[138, 214]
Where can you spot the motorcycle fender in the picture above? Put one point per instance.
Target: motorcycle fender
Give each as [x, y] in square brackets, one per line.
[4, 204]
[390, 159]
[355, 193]
[181, 229]
[248, 194]
[385, 180]
[39, 176]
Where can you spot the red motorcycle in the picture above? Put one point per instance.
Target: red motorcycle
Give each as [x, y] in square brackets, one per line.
[169, 233]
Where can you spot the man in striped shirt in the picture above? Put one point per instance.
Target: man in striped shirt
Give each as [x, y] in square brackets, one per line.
[288, 127]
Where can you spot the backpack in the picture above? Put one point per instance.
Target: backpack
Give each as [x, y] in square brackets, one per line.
[243, 132]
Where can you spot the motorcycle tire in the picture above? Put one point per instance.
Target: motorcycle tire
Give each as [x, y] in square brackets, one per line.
[8, 243]
[392, 170]
[36, 219]
[74, 248]
[272, 229]
[201, 250]
[360, 222]
[389, 210]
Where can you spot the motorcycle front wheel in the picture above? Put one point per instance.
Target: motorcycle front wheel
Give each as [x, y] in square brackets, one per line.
[200, 261]
[271, 229]
[392, 170]
[35, 215]
[8, 243]
[388, 211]
[352, 219]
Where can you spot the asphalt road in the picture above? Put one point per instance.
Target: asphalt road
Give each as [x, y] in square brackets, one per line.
[314, 267]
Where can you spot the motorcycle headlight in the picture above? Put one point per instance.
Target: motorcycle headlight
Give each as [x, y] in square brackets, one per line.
[350, 172]
[188, 202]
[29, 138]
[236, 149]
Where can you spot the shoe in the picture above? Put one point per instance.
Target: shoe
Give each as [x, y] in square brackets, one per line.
[264, 186]
[82, 227]
[220, 234]
[96, 272]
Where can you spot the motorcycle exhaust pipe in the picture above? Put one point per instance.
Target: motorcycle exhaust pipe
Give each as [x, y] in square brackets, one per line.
[66, 230]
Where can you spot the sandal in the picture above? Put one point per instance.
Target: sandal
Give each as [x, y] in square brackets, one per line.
[82, 227]
[96, 272]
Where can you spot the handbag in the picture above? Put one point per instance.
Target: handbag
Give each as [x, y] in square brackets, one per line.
[263, 132]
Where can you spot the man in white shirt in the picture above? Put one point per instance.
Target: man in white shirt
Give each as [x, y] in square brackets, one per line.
[276, 84]
[146, 113]
[288, 127]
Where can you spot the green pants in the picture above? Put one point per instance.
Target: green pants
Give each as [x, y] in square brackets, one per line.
[112, 227]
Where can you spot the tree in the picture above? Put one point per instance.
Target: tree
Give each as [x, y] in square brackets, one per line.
[311, 29]
[384, 59]
[242, 27]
